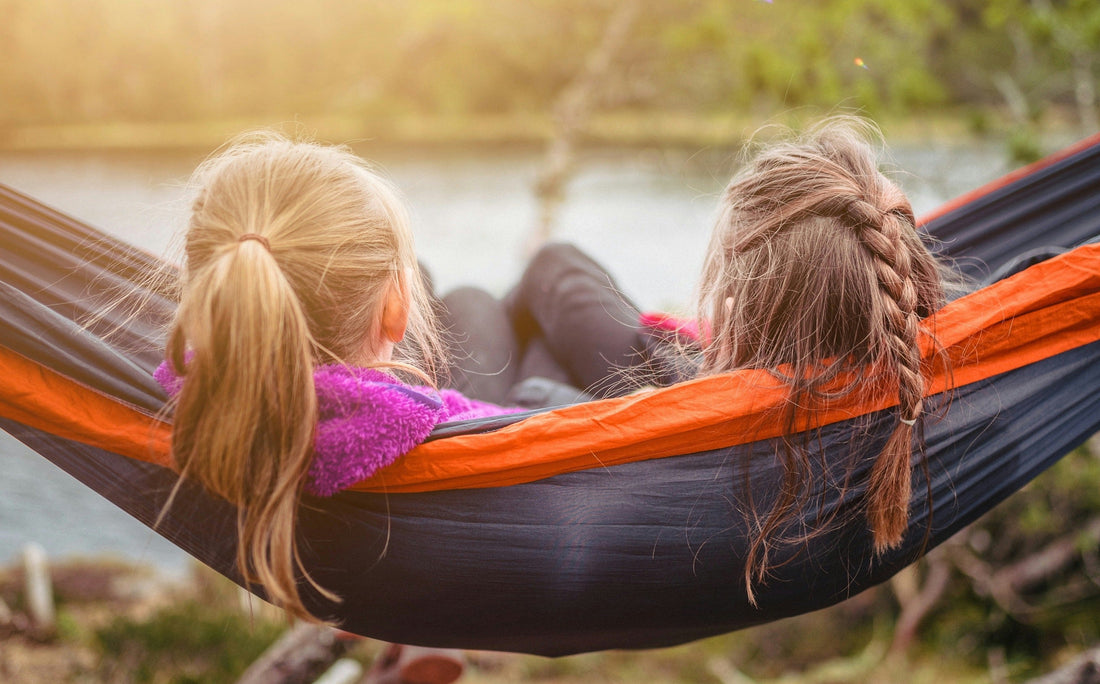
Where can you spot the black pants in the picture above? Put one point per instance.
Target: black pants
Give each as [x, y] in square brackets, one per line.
[566, 321]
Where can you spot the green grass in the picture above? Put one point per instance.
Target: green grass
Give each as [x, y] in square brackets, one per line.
[184, 643]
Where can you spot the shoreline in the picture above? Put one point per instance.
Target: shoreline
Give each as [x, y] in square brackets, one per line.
[606, 129]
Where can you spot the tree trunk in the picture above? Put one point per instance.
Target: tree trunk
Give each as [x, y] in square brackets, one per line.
[1085, 91]
[303, 653]
[571, 112]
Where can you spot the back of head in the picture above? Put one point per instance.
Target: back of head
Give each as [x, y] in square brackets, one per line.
[816, 271]
[290, 249]
[815, 256]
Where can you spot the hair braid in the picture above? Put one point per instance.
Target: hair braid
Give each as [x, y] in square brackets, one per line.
[900, 355]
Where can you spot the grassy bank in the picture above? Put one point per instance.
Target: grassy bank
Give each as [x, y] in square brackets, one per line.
[627, 128]
[119, 623]
[169, 135]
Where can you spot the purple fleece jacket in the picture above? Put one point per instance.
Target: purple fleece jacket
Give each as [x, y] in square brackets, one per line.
[367, 419]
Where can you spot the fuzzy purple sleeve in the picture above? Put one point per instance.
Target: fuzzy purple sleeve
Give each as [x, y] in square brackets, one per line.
[168, 379]
[365, 425]
[369, 420]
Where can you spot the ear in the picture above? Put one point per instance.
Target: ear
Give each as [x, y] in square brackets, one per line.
[395, 308]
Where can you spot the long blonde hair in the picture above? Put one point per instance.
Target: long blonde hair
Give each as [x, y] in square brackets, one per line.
[289, 252]
[816, 271]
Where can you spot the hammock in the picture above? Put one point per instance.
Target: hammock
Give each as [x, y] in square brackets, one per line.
[612, 524]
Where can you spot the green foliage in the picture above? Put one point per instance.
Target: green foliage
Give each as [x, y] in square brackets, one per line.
[1059, 612]
[978, 122]
[916, 88]
[1023, 146]
[187, 642]
[147, 60]
[68, 629]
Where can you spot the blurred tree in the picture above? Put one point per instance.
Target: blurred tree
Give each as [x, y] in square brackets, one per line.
[571, 112]
[1055, 55]
[1023, 581]
[148, 60]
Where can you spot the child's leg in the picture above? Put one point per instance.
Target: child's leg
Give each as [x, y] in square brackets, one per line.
[573, 304]
[485, 354]
[539, 362]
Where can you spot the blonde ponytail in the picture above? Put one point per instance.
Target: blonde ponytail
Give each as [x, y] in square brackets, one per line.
[251, 357]
[289, 252]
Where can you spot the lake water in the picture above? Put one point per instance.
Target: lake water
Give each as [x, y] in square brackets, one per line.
[645, 214]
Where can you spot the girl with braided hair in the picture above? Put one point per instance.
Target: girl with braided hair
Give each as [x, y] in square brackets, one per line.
[816, 271]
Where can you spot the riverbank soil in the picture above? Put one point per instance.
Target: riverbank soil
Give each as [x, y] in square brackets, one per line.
[88, 595]
[122, 624]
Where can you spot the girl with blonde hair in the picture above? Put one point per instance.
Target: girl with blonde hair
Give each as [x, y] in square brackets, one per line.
[283, 359]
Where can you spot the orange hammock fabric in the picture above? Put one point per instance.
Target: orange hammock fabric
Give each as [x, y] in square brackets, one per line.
[996, 329]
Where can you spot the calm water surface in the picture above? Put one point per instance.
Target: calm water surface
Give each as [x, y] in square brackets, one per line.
[644, 214]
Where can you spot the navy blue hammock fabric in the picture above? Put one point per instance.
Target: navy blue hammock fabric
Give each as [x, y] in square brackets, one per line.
[619, 553]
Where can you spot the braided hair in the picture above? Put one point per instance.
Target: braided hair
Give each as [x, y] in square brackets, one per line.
[816, 272]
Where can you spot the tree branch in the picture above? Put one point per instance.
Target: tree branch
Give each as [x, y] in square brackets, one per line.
[916, 606]
[1006, 586]
[1085, 669]
[1032, 570]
